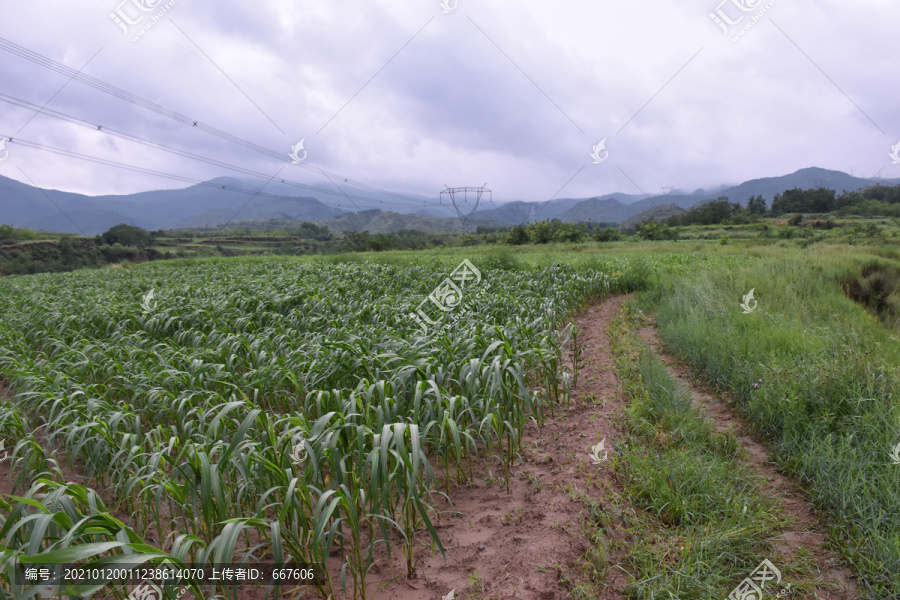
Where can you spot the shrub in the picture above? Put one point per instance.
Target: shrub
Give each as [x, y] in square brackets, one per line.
[655, 231]
[608, 234]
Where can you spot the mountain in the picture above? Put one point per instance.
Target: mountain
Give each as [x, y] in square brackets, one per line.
[376, 221]
[211, 203]
[228, 199]
[809, 178]
[657, 213]
[599, 209]
[515, 213]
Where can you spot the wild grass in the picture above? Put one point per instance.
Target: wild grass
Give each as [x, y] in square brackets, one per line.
[711, 524]
[817, 375]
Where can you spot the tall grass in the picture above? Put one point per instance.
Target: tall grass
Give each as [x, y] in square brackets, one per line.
[818, 377]
[710, 521]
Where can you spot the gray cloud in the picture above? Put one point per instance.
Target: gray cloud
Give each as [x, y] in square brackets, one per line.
[809, 84]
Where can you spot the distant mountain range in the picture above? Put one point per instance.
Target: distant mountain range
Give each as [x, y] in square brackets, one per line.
[657, 213]
[377, 221]
[227, 199]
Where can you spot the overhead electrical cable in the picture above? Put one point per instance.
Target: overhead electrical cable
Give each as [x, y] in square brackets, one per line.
[48, 63]
[145, 171]
[177, 151]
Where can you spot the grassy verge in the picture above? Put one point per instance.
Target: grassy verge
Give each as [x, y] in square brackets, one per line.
[702, 524]
[828, 393]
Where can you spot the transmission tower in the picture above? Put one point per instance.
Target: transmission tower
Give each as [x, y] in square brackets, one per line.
[461, 205]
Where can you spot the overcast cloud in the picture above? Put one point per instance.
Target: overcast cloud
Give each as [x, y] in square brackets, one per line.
[401, 95]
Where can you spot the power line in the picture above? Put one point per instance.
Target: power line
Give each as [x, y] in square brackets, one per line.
[145, 171]
[179, 152]
[64, 213]
[228, 77]
[57, 93]
[102, 86]
[253, 196]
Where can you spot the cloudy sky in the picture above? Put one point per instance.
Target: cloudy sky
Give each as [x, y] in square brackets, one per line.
[410, 95]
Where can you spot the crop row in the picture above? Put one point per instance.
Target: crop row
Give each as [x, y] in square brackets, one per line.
[297, 401]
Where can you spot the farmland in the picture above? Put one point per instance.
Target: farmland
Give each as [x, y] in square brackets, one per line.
[282, 398]
[273, 409]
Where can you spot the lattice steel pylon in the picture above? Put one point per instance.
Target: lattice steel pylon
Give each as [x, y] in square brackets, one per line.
[465, 219]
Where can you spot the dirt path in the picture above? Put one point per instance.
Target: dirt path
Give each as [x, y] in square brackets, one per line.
[805, 533]
[518, 542]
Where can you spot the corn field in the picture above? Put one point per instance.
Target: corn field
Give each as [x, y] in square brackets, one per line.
[263, 411]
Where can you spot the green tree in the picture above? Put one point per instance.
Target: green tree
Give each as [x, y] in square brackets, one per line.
[819, 200]
[608, 234]
[517, 236]
[655, 231]
[541, 232]
[67, 251]
[756, 205]
[8, 232]
[713, 212]
[127, 235]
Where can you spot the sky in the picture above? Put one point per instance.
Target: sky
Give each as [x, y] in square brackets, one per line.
[536, 99]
